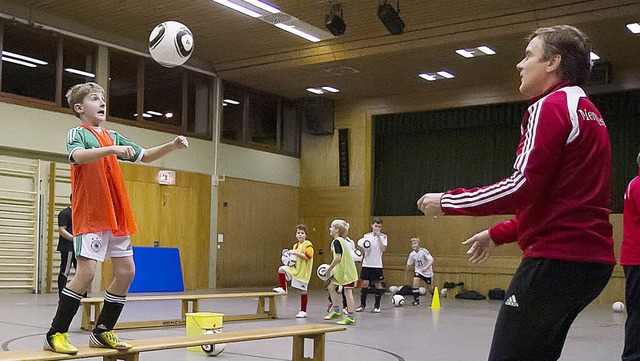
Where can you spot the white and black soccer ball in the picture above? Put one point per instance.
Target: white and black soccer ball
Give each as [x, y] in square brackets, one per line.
[213, 349]
[364, 243]
[170, 44]
[288, 259]
[356, 255]
[397, 300]
[321, 272]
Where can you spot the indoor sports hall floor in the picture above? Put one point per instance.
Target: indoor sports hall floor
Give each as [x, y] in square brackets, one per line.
[459, 331]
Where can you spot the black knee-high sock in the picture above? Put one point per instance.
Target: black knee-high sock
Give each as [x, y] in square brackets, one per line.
[416, 293]
[68, 305]
[363, 296]
[110, 313]
[378, 297]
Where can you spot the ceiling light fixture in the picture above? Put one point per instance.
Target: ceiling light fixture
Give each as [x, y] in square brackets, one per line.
[390, 17]
[23, 57]
[293, 30]
[634, 28]
[315, 91]
[239, 8]
[464, 53]
[80, 72]
[153, 112]
[486, 50]
[442, 74]
[473, 52]
[331, 89]
[334, 22]
[231, 101]
[264, 6]
[593, 56]
[445, 74]
[19, 62]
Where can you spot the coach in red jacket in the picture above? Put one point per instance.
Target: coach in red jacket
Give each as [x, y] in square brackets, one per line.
[560, 194]
[630, 260]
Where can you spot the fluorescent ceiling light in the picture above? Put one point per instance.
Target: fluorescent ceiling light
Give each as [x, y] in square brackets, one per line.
[80, 72]
[145, 115]
[263, 6]
[239, 8]
[152, 112]
[593, 56]
[465, 53]
[330, 89]
[487, 50]
[19, 62]
[294, 31]
[446, 74]
[315, 91]
[25, 58]
[634, 28]
[231, 101]
[426, 76]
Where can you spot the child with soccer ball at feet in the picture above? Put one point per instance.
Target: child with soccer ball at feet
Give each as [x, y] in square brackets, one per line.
[300, 272]
[421, 260]
[102, 216]
[343, 272]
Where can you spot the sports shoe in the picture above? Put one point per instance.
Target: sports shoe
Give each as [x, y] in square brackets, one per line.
[59, 342]
[329, 306]
[416, 303]
[279, 290]
[108, 339]
[376, 310]
[332, 315]
[301, 314]
[347, 321]
[359, 309]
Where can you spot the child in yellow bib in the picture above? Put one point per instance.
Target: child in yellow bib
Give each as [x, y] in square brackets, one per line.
[343, 272]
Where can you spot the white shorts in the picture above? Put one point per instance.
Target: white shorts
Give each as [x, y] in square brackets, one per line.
[102, 245]
[295, 283]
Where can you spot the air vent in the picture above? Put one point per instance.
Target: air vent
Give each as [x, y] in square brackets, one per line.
[343, 70]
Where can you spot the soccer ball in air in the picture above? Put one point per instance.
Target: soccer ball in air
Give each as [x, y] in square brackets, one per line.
[170, 44]
[397, 300]
[213, 349]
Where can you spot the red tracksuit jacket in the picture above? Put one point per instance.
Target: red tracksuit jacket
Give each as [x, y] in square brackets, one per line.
[630, 252]
[561, 185]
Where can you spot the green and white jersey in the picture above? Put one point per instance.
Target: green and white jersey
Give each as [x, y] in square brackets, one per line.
[81, 137]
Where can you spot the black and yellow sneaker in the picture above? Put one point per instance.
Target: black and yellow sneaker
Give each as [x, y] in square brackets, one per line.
[108, 339]
[59, 342]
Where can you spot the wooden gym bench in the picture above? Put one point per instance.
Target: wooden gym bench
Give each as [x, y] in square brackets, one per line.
[91, 308]
[316, 332]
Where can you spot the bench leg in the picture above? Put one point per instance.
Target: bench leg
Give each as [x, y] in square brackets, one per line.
[272, 307]
[127, 357]
[262, 310]
[90, 312]
[185, 307]
[318, 348]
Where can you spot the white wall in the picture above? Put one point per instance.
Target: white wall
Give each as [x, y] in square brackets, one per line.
[260, 166]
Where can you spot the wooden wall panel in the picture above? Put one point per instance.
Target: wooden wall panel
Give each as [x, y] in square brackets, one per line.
[174, 216]
[257, 220]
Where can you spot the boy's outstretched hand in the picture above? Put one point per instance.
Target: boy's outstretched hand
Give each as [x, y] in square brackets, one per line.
[181, 142]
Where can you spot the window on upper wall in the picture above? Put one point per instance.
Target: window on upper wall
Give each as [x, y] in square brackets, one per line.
[176, 100]
[123, 85]
[29, 62]
[255, 119]
[78, 64]
[39, 67]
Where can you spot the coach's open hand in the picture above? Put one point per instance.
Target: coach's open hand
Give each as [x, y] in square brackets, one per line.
[429, 204]
[482, 247]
